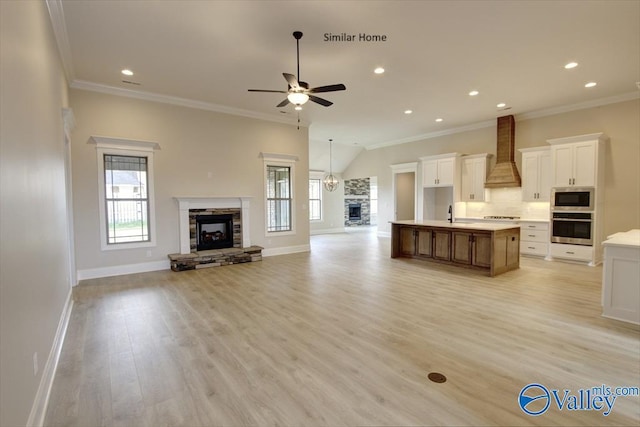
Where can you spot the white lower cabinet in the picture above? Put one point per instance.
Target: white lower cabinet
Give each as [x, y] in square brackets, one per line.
[534, 238]
[571, 252]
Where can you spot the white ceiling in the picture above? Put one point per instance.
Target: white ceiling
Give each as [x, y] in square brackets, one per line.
[436, 52]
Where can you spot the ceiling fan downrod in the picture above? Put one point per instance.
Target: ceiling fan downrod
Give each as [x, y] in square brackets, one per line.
[298, 35]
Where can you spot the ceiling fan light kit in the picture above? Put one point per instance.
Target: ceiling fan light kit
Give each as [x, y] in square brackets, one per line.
[298, 98]
[298, 92]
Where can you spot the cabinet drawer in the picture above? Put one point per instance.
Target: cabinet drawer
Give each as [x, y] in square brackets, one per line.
[576, 252]
[534, 248]
[529, 235]
[534, 226]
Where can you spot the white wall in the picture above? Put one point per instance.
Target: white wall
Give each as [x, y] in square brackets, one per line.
[332, 210]
[620, 122]
[193, 144]
[34, 272]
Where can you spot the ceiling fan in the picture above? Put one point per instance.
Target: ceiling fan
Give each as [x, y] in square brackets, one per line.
[299, 92]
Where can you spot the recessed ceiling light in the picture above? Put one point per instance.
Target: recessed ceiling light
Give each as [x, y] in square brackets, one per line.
[438, 120]
[501, 105]
[473, 93]
[571, 65]
[379, 70]
[408, 111]
[127, 72]
[590, 84]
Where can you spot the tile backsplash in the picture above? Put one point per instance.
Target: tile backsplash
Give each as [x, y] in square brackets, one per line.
[505, 202]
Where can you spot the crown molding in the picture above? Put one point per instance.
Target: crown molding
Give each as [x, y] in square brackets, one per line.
[56, 15]
[429, 135]
[182, 102]
[519, 118]
[579, 106]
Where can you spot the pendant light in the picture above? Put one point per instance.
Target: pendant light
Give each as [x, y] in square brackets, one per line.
[330, 182]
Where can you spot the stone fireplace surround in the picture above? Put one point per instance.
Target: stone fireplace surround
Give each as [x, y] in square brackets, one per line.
[189, 258]
[211, 204]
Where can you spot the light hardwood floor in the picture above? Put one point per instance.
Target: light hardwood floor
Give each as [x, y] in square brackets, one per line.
[343, 335]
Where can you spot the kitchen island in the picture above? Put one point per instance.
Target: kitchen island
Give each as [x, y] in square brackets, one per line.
[621, 277]
[494, 248]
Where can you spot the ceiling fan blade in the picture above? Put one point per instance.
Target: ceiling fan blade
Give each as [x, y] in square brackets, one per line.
[320, 101]
[283, 103]
[328, 88]
[265, 90]
[291, 79]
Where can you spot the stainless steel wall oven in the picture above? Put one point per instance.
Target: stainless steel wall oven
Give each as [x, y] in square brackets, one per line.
[575, 228]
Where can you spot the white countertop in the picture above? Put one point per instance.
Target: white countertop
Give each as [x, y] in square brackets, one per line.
[629, 238]
[476, 219]
[486, 226]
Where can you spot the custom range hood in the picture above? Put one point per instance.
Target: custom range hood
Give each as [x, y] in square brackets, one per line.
[505, 173]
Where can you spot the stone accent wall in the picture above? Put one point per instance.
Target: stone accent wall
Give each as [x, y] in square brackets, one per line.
[237, 224]
[357, 191]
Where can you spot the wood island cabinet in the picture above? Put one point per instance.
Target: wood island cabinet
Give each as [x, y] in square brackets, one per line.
[441, 245]
[461, 247]
[415, 242]
[494, 248]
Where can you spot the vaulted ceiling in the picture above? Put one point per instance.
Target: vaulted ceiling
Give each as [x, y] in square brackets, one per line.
[434, 54]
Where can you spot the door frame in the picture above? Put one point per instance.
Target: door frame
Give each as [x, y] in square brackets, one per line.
[398, 169]
[69, 123]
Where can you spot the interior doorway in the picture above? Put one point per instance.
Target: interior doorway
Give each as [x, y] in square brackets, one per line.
[404, 191]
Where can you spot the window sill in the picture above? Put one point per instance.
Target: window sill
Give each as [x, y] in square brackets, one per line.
[280, 233]
[125, 246]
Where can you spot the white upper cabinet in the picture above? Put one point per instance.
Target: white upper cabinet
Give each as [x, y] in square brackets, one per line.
[474, 175]
[536, 174]
[439, 171]
[574, 161]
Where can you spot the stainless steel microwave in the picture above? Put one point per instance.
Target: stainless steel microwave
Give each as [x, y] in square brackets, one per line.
[572, 199]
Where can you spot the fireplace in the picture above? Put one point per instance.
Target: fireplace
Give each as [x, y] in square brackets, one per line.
[214, 232]
[192, 207]
[355, 211]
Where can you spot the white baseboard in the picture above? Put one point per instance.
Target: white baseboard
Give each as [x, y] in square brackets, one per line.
[119, 270]
[40, 403]
[285, 250]
[327, 231]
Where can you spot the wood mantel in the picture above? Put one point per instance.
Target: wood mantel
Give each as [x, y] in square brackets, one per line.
[494, 248]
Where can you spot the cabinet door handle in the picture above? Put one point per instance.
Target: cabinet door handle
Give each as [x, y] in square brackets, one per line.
[570, 253]
[531, 247]
[531, 235]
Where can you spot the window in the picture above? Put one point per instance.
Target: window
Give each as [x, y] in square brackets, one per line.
[279, 173]
[278, 198]
[127, 210]
[315, 199]
[126, 204]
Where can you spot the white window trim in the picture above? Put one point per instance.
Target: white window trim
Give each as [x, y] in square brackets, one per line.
[125, 147]
[318, 175]
[285, 160]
